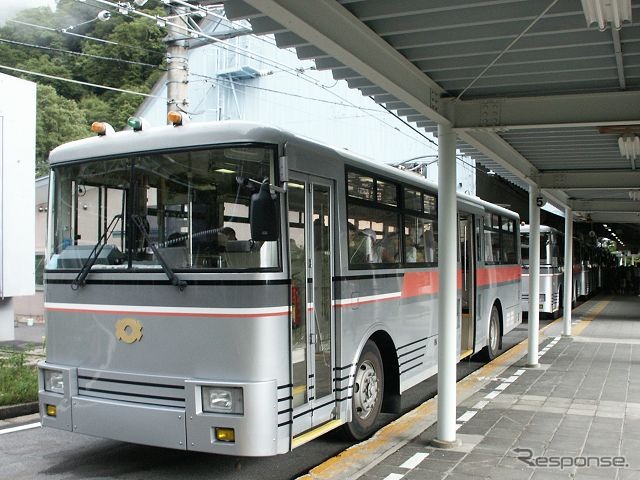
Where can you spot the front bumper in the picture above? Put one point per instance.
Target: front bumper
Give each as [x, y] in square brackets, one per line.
[183, 425]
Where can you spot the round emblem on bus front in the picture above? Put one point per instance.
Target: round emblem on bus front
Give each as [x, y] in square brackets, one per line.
[128, 330]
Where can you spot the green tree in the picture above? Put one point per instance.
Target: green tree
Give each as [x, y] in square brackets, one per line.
[58, 120]
[41, 16]
[95, 109]
[124, 105]
[52, 66]
[135, 49]
[137, 41]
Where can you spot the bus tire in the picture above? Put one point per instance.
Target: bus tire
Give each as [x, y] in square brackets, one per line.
[494, 339]
[368, 388]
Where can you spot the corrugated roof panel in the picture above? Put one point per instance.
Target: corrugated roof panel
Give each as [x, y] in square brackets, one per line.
[454, 41]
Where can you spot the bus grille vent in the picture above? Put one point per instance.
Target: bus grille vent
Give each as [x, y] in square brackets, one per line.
[132, 388]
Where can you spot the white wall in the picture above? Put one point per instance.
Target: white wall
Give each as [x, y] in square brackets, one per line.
[17, 200]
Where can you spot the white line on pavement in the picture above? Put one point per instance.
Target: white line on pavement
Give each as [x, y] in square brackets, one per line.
[414, 461]
[465, 417]
[20, 428]
[393, 476]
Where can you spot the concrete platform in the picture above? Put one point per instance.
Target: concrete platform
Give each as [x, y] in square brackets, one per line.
[577, 416]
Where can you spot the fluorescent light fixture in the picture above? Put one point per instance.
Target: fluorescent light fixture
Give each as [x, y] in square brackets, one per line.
[629, 146]
[224, 170]
[603, 12]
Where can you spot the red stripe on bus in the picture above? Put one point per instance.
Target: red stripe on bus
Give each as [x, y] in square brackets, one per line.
[169, 314]
[419, 283]
[495, 275]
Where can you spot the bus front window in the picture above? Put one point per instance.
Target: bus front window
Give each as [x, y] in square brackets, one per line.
[187, 207]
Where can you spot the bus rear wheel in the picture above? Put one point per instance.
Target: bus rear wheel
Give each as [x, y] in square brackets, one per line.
[368, 388]
[494, 339]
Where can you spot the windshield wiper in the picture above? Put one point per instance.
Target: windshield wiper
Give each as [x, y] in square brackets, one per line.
[181, 284]
[81, 278]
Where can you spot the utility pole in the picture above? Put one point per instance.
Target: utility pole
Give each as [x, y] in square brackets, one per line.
[177, 60]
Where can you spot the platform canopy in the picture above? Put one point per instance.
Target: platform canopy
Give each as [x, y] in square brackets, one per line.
[542, 92]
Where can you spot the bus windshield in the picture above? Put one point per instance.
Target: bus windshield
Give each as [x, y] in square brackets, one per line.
[189, 207]
[546, 248]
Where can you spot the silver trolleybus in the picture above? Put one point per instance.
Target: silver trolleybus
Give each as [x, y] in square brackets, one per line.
[232, 288]
[551, 270]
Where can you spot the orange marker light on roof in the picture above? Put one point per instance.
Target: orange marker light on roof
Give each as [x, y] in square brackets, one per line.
[102, 128]
[99, 128]
[175, 118]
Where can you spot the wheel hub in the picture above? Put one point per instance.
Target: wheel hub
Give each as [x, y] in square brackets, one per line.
[366, 389]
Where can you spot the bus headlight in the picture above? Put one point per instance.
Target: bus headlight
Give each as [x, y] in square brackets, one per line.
[54, 381]
[222, 400]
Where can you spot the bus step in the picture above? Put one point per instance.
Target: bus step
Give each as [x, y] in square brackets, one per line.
[315, 433]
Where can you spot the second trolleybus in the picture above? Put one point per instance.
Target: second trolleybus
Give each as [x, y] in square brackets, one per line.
[551, 270]
[233, 288]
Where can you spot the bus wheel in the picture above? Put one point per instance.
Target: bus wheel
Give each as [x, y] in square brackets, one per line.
[494, 340]
[368, 386]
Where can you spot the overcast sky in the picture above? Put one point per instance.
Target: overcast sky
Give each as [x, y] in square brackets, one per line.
[8, 8]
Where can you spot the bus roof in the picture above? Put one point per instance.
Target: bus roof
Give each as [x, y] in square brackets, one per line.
[202, 134]
[192, 134]
[543, 229]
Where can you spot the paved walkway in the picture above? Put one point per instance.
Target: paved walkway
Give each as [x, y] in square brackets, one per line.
[575, 417]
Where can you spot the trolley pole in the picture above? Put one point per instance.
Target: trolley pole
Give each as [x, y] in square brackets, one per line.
[177, 62]
[568, 269]
[535, 202]
[447, 298]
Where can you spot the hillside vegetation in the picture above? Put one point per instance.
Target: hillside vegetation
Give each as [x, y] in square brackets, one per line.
[131, 57]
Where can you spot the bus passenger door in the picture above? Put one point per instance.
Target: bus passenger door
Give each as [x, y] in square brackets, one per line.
[311, 251]
[467, 265]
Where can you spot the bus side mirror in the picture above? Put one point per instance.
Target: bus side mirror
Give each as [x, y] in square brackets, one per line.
[263, 215]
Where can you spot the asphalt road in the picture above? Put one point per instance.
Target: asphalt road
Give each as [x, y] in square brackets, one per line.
[37, 453]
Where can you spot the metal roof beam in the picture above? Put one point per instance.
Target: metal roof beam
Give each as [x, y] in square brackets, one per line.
[333, 29]
[495, 148]
[617, 48]
[605, 206]
[588, 179]
[617, 217]
[558, 111]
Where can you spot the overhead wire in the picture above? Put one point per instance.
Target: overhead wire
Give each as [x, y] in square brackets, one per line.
[367, 112]
[226, 45]
[289, 94]
[64, 31]
[506, 49]
[82, 54]
[209, 12]
[88, 84]
[244, 52]
[297, 72]
[156, 66]
[430, 140]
